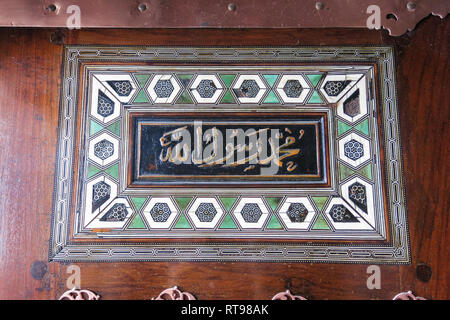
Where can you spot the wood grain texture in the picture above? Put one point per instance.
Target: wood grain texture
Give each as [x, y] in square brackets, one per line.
[30, 67]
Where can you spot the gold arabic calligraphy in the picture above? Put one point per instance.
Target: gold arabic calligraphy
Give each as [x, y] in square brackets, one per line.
[177, 147]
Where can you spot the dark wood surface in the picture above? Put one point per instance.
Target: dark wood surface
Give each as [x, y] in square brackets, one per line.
[30, 66]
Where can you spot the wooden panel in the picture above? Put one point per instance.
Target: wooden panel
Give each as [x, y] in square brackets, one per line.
[29, 95]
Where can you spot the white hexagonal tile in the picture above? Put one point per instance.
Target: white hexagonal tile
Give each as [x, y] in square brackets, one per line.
[248, 82]
[98, 197]
[114, 216]
[163, 88]
[356, 96]
[160, 212]
[296, 79]
[297, 213]
[203, 91]
[251, 213]
[122, 86]
[343, 217]
[104, 149]
[354, 149]
[104, 105]
[359, 195]
[205, 213]
[334, 82]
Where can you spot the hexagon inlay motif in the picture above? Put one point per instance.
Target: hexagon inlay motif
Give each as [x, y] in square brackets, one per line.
[251, 212]
[353, 149]
[163, 88]
[160, 212]
[297, 212]
[104, 149]
[206, 212]
[206, 88]
[293, 88]
[249, 88]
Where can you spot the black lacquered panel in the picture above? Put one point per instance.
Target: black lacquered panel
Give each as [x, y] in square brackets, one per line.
[229, 150]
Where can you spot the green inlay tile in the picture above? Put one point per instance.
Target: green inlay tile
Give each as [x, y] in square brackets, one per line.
[321, 224]
[142, 79]
[274, 223]
[228, 223]
[366, 171]
[182, 223]
[137, 223]
[92, 170]
[114, 128]
[273, 202]
[113, 171]
[314, 78]
[345, 172]
[185, 98]
[141, 97]
[343, 127]
[315, 98]
[94, 128]
[183, 202]
[228, 202]
[271, 78]
[363, 127]
[138, 202]
[185, 78]
[227, 79]
[320, 202]
[228, 98]
[271, 98]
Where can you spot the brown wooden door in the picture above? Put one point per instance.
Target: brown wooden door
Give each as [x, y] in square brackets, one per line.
[30, 68]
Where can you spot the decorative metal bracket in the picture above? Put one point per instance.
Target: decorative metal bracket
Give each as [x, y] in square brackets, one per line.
[397, 16]
[174, 294]
[407, 296]
[287, 295]
[77, 294]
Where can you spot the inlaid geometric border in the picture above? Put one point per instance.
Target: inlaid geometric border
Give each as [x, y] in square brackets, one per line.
[397, 251]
